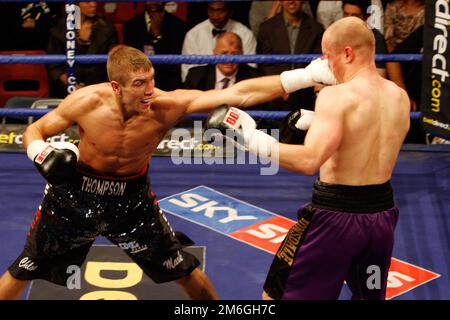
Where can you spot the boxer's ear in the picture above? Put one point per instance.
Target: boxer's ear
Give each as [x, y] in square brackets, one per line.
[116, 87]
[349, 54]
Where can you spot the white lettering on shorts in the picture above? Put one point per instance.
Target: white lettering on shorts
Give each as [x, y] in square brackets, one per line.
[103, 187]
[27, 264]
[133, 246]
[172, 263]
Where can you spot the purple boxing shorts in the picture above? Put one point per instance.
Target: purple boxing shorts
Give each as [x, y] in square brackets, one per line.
[345, 234]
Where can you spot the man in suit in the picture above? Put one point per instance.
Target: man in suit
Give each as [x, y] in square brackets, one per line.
[290, 32]
[222, 75]
[212, 76]
[156, 31]
[200, 40]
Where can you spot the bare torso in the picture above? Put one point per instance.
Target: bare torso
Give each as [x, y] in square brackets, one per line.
[375, 123]
[119, 132]
[113, 144]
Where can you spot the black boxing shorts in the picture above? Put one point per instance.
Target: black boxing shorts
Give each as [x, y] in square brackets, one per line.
[123, 210]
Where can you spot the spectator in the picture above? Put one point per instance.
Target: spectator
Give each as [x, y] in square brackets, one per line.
[330, 11]
[201, 38]
[119, 12]
[197, 11]
[262, 10]
[402, 17]
[96, 36]
[404, 24]
[222, 75]
[358, 8]
[26, 26]
[408, 74]
[156, 31]
[290, 32]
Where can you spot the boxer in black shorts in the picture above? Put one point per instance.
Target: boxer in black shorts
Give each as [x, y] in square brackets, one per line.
[99, 187]
[124, 210]
[121, 124]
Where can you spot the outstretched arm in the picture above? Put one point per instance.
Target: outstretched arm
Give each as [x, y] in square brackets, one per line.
[243, 94]
[259, 90]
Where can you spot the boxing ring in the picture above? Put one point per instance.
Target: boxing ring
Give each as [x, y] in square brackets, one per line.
[420, 181]
[237, 253]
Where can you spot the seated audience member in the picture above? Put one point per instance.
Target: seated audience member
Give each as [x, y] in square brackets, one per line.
[96, 36]
[409, 74]
[156, 31]
[119, 12]
[404, 22]
[201, 38]
[401, 19]
[328, 12]
[290, 32]
[261, 10]
[331, 11]
[222, 75]
[31, 24]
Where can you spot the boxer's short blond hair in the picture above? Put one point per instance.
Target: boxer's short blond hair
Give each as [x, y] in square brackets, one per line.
[122, 60]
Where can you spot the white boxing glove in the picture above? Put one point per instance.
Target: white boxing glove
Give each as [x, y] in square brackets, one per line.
[232, 122]
[317, 72]
[305, 119]
[300, 120]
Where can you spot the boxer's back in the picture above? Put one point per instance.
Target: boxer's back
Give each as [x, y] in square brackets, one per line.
[376, 121]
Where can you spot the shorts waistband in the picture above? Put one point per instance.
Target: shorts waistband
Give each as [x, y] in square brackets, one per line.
[108, 186]
[353, 199]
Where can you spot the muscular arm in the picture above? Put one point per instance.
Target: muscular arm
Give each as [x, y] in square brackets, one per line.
[58, 119]
[243, 94]
[259, 90]
[322, 140]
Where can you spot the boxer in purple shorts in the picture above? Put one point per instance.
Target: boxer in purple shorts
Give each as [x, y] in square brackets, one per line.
[333, 241]
[353, 139]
